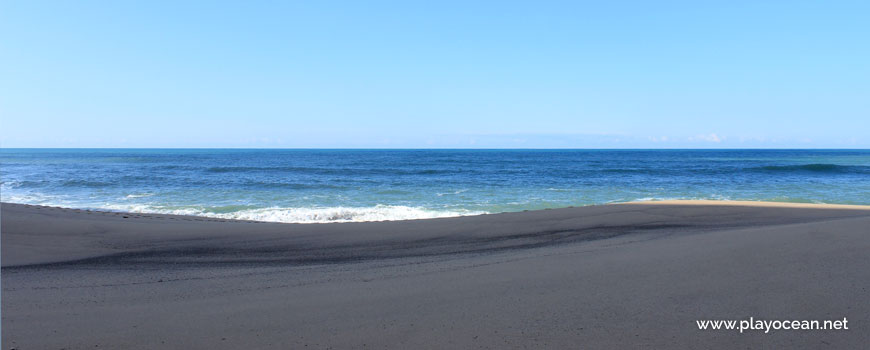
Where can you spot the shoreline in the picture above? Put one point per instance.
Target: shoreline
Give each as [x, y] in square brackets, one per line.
[693, 202]
[767, 204]
[606, 276]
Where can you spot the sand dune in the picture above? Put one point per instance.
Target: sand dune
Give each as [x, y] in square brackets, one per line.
[615, 276]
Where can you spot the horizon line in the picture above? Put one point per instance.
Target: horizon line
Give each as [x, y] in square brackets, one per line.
[435, 148]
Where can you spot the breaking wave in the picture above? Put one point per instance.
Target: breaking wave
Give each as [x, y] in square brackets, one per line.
[303, 215]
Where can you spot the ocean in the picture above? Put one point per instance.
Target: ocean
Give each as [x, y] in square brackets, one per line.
[312, 186]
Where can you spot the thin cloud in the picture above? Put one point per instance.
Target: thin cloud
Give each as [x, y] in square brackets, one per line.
[707, 138]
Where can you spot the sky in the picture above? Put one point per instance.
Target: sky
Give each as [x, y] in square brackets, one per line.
[435, 74]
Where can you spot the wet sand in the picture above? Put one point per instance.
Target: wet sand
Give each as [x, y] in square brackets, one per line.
[615, 276]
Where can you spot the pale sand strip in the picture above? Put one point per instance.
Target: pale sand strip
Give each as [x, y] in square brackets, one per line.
[754, 204]
[601, 277]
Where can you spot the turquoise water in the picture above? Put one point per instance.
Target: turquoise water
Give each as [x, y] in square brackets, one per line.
[366, 185]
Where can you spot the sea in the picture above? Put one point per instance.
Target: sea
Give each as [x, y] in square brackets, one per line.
[330, 185]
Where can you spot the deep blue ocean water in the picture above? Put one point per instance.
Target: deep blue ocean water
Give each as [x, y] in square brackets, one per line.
[365, 185]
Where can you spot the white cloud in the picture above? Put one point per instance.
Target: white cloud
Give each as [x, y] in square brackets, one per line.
[708, 138]
[658, 139]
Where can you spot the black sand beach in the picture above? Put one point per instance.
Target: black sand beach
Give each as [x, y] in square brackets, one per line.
[608, 277]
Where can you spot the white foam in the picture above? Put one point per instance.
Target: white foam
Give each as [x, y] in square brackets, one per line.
[34, 198]
[440, 194]
[138, 195]
[307, 215]
[271, 214]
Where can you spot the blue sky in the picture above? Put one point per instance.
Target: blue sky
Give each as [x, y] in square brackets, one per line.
[408, 74]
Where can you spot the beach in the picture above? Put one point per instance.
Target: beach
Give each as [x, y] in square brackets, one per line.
[633, 275]
[434, 175]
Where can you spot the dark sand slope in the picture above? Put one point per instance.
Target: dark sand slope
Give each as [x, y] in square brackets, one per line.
[616, 276]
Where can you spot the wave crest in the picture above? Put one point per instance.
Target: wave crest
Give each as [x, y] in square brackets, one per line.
[308, 215]
[326, 170]
[817, 168]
